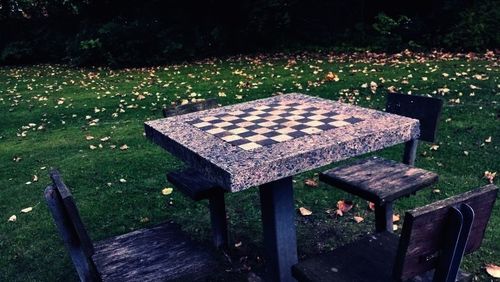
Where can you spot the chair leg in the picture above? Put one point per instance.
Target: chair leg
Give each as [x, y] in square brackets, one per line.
[383, 217]
[218, 220]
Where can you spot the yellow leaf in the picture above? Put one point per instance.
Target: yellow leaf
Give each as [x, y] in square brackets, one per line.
[395, 217]
[358, 219]
[27, 210]
[493, 270]
[304, 211]
[167, 191]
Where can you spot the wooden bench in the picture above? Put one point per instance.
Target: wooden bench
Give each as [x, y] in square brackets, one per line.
[159, 253]
[433, 241]
[383, 181]
[195, 186]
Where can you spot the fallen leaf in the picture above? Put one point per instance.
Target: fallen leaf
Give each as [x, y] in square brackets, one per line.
[304, 211]
[27, 210]
[123, 147]
[490, 175]
[141, 97]
[237, 245]
[144, 219]
[436, 191]
[311, 182]
[394, 227]
[167, 191]
[104, 139]
[331, 76]
[92, 147]
[123, 180]
[34, 178]
[13, 218]
[343, 207]
[358, 219]
[466, 153]
[434, 147]
[395, 217]
[371, 206]
[373, 86]
[493, 270]
[16, 159]
[89, 137]
[488, 140]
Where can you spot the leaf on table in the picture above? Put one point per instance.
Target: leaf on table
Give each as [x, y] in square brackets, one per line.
[358, 219]
[304, 212]
[167, 191]
[395, 217]
[493, 270]
[490, 176]
[12, 218]
[311, 182]
[27, 210]
[343, 207]
[124, 147]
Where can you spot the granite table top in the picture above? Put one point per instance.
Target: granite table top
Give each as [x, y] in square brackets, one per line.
[257, 142]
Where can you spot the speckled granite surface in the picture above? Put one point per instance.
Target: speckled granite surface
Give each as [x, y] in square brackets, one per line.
[257, 142]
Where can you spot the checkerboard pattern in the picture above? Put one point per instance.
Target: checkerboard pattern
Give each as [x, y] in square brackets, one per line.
[270, 124]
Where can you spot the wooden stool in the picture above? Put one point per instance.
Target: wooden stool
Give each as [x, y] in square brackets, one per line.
[433, 241]
[383, 181]
[159, 253]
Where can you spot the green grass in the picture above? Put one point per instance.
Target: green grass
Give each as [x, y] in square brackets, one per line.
[30, 248]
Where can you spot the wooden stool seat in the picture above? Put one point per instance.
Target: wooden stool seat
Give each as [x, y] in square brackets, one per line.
[162, 252]
[379, 180]
[192, 184]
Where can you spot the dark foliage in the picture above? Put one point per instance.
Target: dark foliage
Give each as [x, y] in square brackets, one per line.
[133, 32]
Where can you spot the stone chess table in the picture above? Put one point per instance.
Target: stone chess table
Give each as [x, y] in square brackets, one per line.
[265, 142]
[257, 142]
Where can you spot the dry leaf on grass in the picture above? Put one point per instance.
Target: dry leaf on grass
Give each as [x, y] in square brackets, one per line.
[167, 191]
[358, 219]
[311, 182]
[124, 147]
[27, 210]
[371, 206]
[304, 212]
[488, 140]
[493, 270]
[13, 218]
[343, 207]
[490, 176]
[434, 147]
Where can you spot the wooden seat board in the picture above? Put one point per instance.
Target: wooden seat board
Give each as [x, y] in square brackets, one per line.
[161, 253]
[379, 180]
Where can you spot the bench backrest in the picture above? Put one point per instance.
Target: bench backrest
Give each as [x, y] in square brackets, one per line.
[70, 227]
[426, 109]
[436, 236]
[190, 107]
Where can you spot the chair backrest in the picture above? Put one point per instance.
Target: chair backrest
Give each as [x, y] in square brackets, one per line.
[70, 226]
[426, 109]
[436, 236]
[190, 107]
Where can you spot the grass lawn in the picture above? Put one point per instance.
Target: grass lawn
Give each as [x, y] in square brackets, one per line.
[48, 113]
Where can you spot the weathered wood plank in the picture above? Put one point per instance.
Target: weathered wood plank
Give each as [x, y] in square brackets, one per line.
[379, 180]
[426, 109]
[160, 253]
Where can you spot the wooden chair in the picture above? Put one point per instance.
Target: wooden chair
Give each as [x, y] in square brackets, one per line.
[383, 181]
[160, 253]
[192, 183]
[433, 241]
